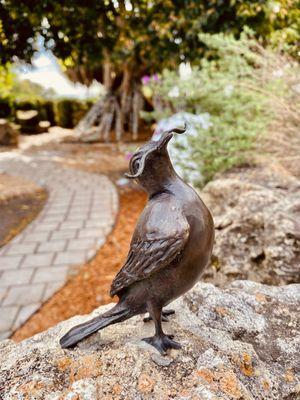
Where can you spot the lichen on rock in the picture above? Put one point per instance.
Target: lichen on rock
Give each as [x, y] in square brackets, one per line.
[239, 342]
[257, 220]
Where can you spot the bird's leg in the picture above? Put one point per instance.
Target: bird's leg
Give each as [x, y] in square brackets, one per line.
[160, 340]
[164, 316]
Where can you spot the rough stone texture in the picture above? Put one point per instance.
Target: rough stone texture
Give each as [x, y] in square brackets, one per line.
[241, 342]
[8, 133]
[257, 219]
[37, 262]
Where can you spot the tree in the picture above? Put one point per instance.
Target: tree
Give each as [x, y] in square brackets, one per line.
[117, 42]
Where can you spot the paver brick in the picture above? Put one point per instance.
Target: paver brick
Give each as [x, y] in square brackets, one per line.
[24, 313]
[16, 239]
[4, 335]
[91, 253]
[16, 277]
[100, 216]
[37, 237]
[79, 211]
[23, 295]
[2, 293]
[10, 262]
[70, 257]
[46, 227]
[54, 218]
[21, 248]
[71, 225]
[51, 288]
[61, 204]
[100, 242]
[64, 234]
[50, 274]
[79, 202]
[60, 210]
[38, 260]
[52, 246]
[82, 216]
[95, 223]
[90, 232]
[81, 244]
[8, 315]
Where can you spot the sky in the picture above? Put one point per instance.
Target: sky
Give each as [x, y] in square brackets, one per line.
[46, 71]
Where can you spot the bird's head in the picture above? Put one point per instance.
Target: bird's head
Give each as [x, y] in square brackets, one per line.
[150, 165]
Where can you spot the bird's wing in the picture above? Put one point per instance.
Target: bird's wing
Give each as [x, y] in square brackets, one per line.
[160, 236]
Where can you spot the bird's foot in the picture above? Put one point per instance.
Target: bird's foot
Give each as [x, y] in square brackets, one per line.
[164, 316]
[162, 343]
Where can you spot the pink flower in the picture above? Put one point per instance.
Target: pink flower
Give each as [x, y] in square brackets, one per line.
[145, 79]
[128, 156]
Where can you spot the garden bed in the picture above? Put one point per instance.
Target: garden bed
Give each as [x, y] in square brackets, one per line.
[20, 203]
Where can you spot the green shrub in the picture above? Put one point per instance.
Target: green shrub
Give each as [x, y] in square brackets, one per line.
[241, 86]
[42, 107]
[64, 113]
[26, 105]
[80, 108]
[25, 95]
[69, 112]
[5, 107]
[48, 109]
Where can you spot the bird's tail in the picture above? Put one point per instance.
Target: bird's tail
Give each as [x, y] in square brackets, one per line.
[118, 313]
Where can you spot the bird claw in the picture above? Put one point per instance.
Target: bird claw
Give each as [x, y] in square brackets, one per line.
[163, 343]
[164, 316]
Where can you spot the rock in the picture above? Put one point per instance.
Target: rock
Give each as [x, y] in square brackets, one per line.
[160, 360]
[28, 120]
[240, 342]
[9, 134]
[27, 115]
[44, 126]
[257, 219]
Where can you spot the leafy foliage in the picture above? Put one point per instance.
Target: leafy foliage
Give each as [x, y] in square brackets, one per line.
[6, 80]
[117, 42]
[145, 36]
[69, 112]
[240, 88]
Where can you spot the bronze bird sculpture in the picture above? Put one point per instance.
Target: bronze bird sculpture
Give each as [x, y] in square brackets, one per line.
[169, 250]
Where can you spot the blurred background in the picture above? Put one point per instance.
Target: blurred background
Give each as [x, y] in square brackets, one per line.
[82, 84]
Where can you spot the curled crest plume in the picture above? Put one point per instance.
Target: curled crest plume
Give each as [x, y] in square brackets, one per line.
[163, 141]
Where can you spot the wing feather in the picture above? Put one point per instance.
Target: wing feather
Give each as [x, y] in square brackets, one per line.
[153, 249]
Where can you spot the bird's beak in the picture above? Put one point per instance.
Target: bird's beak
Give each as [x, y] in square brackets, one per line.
[167, 136]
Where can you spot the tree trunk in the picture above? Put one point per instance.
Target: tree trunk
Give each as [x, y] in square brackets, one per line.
[115, 113]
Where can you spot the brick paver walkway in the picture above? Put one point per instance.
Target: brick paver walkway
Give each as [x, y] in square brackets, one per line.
[79, 213]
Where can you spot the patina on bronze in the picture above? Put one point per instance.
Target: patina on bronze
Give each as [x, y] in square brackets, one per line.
[169, 250]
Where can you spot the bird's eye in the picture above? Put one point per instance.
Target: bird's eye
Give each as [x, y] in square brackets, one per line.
[136, 165]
